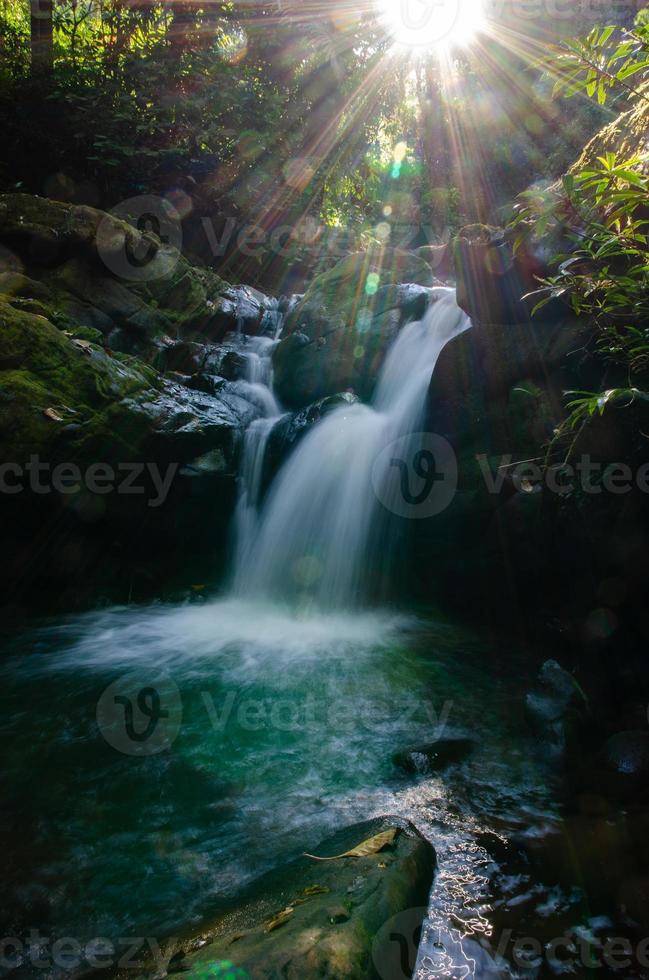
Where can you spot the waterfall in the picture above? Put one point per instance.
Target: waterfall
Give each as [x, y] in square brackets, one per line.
[257, 386]
[322, 532]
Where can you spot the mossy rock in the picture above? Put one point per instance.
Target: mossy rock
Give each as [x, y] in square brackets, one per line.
[45, 231]
[337, 336]
[16, 284]
[50, 383]
[625, 136]
[312, 919]
[87, 248]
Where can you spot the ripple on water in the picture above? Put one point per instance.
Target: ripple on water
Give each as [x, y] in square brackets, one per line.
[289, 723]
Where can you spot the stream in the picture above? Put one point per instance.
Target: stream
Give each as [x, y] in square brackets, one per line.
[158, 758]
[279, 730]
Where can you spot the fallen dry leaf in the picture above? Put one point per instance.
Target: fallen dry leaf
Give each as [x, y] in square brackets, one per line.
[84, 345]
[51, 413]
[370, 846]
[315, 890]
[279, 919]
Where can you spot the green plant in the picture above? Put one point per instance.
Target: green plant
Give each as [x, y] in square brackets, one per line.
[603, 210]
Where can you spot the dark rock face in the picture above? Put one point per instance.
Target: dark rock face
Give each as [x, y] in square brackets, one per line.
[557, 709]
[338, 334]
[323, 919]
[627, 754]
[434, 756]
[493, 279]
[292, 427]
[102, 368]
[497, 395]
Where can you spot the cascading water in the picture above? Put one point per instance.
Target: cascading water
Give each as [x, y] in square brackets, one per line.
[257, 384]
[230, 792]
[320, 526]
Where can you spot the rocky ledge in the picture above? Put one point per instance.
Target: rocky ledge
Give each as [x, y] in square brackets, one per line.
[314, 918]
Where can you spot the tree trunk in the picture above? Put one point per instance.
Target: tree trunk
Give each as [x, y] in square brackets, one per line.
[41, 36]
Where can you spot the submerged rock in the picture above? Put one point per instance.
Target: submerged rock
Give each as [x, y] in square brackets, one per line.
[556, 710]
[313, 919]
[433, 756]
[627, 754]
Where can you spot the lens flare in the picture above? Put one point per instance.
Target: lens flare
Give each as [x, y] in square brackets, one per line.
[424, 25]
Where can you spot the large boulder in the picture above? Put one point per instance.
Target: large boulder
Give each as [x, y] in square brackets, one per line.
[293, 426]
[67, 402]
[99, 270]
[338, 334]
[313, 919]
[495, 281]
[497, 395]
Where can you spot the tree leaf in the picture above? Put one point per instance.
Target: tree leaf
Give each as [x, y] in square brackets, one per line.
[367, 847]
[51, 413]
[279, 919]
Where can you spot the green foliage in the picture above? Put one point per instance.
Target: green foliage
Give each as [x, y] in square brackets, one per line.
[608, 59]
[642, 18]
[221, 100]
[604, 211]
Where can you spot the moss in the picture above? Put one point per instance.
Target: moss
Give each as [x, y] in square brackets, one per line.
[626, 136]
[42, 368]
[347, 287]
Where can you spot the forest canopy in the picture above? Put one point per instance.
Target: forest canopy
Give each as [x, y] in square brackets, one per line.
[310, 115]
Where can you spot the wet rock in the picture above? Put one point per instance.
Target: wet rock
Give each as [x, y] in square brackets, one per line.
[17, 284]
[337, 336]
[493, 279]
[237, 309]
[233, 366]
[627, 753]
[409, 299]
[557, 709]
[291, 428]
[322, 919]
[433, 756]
[184, 356]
